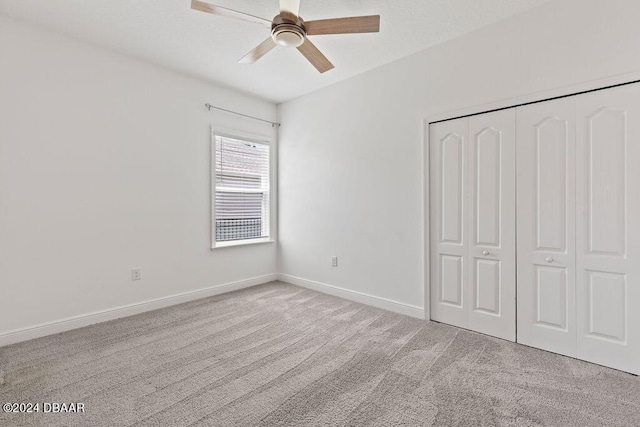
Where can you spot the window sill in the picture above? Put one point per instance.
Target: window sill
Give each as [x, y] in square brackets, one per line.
[233, 243]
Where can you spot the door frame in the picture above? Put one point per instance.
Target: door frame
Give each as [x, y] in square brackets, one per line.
[519, 101]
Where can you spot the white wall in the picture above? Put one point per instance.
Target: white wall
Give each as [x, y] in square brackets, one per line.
[351, 155]
[104, 166]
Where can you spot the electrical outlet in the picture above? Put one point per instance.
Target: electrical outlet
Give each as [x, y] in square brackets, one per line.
[136, 274]
[334, 261]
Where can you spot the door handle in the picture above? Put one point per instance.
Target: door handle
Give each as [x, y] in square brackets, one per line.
[485, 253]
[549, 259]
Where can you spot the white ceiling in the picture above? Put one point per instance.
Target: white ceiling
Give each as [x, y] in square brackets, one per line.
[169, 33]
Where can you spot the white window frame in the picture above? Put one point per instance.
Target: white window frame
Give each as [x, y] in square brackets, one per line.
[249, 137]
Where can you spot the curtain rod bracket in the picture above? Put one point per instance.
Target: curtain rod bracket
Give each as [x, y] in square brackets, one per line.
[273, 124]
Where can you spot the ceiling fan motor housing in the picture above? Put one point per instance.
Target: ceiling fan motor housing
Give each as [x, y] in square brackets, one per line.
[288, 31]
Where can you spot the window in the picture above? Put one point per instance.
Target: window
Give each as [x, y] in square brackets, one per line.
[242, 194]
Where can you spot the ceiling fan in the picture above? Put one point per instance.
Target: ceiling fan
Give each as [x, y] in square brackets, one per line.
[288, 29]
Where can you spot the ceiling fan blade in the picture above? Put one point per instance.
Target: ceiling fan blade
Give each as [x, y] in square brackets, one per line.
[290, 6]
[261, 50]
[229, 13]
[317, 59]
[356, 24]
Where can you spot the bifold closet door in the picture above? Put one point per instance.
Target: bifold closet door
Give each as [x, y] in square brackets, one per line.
[449, 163]
[492, 230]
[578, 226]
[608, 227]
[472, 216]
[546, 226]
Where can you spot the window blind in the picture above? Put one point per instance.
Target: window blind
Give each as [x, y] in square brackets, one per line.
[242, 192]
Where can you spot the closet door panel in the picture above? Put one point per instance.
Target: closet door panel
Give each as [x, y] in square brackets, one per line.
[491, 274]
[608, 243]
[545, 226]
[448, 258]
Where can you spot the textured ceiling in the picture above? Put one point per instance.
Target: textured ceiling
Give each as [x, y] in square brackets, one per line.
[169, 33]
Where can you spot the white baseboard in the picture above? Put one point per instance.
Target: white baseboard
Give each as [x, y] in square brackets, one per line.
[62, 325]
[383, 303]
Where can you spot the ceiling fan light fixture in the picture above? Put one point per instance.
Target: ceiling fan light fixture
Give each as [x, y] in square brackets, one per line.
[288, 29]
[288, 35]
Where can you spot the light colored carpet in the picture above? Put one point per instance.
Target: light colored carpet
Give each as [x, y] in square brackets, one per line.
[281, 355]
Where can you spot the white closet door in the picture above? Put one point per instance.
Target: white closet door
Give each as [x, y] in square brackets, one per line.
[546, 226]
[491, 289]
[448, 212]
[472, 220]
[608, 222]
